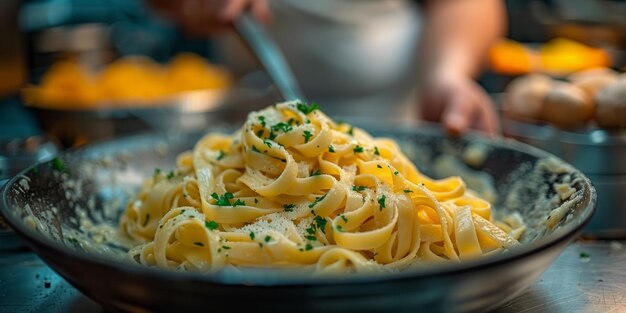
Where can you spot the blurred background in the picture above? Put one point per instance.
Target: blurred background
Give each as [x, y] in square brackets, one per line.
[78, 71]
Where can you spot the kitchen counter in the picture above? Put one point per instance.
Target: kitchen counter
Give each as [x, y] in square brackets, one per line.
[590, 276]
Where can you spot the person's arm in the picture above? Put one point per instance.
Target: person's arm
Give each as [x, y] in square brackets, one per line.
[457, 34]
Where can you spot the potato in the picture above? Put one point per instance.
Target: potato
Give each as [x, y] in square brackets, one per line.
[611, 105]
[567, 106]
[592, 80]
[525, 95]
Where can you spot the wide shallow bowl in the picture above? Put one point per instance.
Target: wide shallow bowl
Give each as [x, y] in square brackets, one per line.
[51, 203]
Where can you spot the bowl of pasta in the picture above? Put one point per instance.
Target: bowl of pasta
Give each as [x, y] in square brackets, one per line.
[295, 210]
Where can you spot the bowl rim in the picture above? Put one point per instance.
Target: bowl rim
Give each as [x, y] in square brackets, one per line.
[564, 232]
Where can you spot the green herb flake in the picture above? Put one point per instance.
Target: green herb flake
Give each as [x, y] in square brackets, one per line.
[358, 149]
[221, 155]
[262, 120]
[308, 247]
[267, 142]
[255, 149]
[407, 190]
[585, 255]
[251, 235]
[376, 152]
[316, 173]
[211, 225]
[226, 247]
[306, 109]
[344, 218]
[256, 200]
[198, 244]
[351, 131]
[309, 237]
[260, 133]
[339, 228]
[381, 202]
[238, 202]
[395, 173]
[272, 136]
[307, 135]
[289, 207]
[331, 149]
[171, 175]
[223, 200]
[359, 188]
[157, 171]
[321, 223]
[311, 229]
[268, 238]
[317, 199]
[282, 126]
[59, 165]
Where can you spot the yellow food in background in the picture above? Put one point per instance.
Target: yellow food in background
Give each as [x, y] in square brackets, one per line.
[558, 57]
[563, 56]
[128, 81]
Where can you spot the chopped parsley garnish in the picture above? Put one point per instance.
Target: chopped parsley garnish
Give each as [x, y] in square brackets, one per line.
[351, 131]
[198, 244]
[260, 133]
[309, 237]
[379, 166]
[282, 126]
[584, 255]
[272, 136]
[145, 222]
[182, 211]
[339, 228]
[331, 149]
[268, 238]
[317, 199]
[221, 155]
[321, 223]
[311, 229]
[267, 142]
[256, 200]
[251, 235]
[59, 165]
[239, 202]
[407, 190]
[344, 218]
[358, 149]
[291, 121]
[157, 171]
[223, 200]
[255, 149]
[289, 207]
[359, 188]
[376, 152]
[308, 247]
[381, 202]
[211, 225]
[306, 109]
[395, 173]
[307, 135]
[226, 247]
[316, 173]
[262, 120]
[170, 175]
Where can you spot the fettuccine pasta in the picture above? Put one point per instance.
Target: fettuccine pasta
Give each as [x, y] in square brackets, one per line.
[294, 188]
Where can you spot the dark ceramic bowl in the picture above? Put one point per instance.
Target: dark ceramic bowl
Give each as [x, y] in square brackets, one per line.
[100, 178]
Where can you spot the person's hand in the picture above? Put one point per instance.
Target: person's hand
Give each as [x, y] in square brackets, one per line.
[207, 17]
[459, 103]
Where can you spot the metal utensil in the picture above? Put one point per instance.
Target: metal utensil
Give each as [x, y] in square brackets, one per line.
[269, 55]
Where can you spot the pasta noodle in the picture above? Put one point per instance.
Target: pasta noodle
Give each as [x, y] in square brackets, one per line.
[294, 188]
